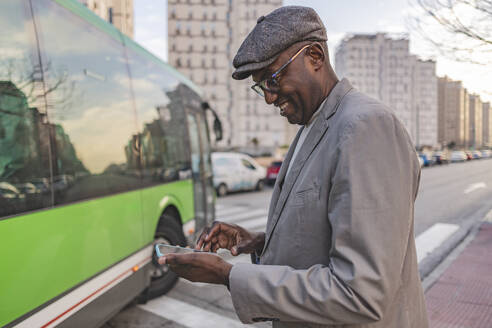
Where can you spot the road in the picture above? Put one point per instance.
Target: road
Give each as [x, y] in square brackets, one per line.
[449, 196]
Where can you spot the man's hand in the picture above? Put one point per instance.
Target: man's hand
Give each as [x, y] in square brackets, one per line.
[230, 236]
[199, 267]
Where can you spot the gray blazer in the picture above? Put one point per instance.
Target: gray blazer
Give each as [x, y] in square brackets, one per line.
[340, 248]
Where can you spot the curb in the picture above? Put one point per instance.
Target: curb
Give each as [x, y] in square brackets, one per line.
[434, 264]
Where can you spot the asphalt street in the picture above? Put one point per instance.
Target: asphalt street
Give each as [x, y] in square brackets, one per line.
[450, 196]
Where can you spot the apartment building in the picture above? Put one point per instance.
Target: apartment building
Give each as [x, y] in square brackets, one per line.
[453, 113]
[424, 102]
[487, 125]
[476, 121]
[117, 12]
[382, 67]
[203, 37]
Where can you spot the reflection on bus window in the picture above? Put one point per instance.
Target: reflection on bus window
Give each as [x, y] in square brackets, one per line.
[24, 150]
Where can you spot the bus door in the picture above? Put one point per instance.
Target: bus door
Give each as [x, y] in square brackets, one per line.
[201, 169]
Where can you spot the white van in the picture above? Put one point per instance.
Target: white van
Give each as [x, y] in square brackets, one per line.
[236, 171]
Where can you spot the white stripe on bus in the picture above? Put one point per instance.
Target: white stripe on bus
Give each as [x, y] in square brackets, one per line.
[74, 301]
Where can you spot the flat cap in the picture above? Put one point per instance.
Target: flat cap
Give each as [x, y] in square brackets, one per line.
[273, 34]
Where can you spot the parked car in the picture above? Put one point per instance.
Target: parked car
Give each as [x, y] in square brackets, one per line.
[236, 171]
[421, 161]
[8, 191]
[458, 156]
[476, 154]
[272, 172]
[440, 157]
[426, 159]
[486, 153]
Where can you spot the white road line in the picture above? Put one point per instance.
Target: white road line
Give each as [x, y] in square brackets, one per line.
[230, 210]
[488, 217]
[246, 214]
[188, 315]
[255, 223]
[475, 186]
[430, 239]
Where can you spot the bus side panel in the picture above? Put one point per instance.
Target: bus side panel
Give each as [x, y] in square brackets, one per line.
[156, 199]
[46, 253]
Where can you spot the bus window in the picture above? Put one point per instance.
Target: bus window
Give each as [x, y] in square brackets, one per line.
[24, 151]
[165, 155]
[94, 138]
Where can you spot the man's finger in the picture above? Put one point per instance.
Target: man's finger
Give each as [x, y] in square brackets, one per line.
[201, 239]
[216, 226]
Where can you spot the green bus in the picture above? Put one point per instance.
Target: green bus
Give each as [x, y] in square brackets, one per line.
[104, 151]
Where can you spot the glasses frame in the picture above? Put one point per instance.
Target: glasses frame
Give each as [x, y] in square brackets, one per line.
[261, 86]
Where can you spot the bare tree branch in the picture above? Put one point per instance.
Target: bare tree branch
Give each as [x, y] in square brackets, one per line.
[458, 29]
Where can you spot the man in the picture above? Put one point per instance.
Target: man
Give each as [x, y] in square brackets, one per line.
[339, 247]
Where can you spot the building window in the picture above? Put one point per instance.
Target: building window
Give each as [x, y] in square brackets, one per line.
[178, 62]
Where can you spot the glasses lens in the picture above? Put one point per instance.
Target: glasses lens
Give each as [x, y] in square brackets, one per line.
[258, 90]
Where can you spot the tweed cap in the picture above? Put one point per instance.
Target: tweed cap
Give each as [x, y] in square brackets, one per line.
[273, 34]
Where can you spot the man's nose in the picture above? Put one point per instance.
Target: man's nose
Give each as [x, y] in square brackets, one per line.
[270, 97]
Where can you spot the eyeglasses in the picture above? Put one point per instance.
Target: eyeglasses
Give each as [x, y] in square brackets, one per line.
[271, 84]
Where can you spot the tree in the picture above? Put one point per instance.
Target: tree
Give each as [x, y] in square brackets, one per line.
[459, 29]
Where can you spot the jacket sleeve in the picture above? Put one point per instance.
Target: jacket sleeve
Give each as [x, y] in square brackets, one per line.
[370, 209]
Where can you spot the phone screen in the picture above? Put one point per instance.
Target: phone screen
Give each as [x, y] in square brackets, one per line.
[163, 249]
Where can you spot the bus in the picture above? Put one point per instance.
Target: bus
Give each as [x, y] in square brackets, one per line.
[104, 151]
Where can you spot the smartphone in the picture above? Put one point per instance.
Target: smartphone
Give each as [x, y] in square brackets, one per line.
[163, 249]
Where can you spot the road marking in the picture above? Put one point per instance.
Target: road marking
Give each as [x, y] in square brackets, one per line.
[246, 214]
[230, 210]
[430, 239]
[188, 315]
[488, 217]
[255, 223]
[475, 186]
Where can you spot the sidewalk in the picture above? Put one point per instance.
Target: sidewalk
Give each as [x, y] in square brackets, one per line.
[462, 296]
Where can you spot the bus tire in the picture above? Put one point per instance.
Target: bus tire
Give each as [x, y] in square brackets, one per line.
[162, 278]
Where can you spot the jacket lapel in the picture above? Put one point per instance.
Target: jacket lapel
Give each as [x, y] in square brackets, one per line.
[312, 140]
[283, 185]
[281, 176]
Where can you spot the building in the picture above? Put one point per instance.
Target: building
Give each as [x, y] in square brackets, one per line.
[453, 113]
[117, 12]
[476, 121]
[203, 37]
[424, 103]
[382, 67]
[487, 125]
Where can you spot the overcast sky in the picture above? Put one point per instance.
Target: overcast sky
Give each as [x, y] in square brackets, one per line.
[340, 18]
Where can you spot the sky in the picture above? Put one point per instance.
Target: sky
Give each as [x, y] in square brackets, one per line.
[340, 18]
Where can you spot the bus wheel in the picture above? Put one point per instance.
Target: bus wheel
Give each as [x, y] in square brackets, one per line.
[162, 278]
[222, 190]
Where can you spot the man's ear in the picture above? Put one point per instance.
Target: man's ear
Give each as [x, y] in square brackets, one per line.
[316, 55]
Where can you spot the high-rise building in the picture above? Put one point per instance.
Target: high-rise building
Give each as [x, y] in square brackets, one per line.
[383, 68]
[453, 113]
[476, 122]
[117, 12]
[203, 38]
[487, 125]
[424, 102]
